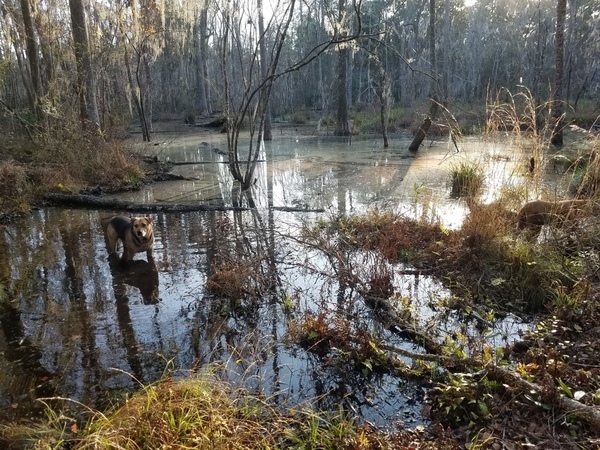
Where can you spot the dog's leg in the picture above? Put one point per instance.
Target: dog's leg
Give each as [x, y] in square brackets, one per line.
[127, 254]
[111, 239]
[149, 255]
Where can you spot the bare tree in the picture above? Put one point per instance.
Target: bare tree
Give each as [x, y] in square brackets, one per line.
[434, 105]
[264, 69]
[251, 103]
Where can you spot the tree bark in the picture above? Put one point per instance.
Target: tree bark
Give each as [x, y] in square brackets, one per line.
[86, 83]
[342, 127]
[201, 55]
[423, 129]
[431, 32]
[32, 55]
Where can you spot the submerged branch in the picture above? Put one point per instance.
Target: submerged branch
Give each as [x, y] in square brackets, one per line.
[586, 413]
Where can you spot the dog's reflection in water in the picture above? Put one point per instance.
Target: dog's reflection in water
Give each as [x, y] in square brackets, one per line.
[139, 274]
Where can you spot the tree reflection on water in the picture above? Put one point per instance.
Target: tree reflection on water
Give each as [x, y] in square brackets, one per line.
[80, 325]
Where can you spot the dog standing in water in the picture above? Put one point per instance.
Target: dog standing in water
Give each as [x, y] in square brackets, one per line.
[136, 234]
[535, 214]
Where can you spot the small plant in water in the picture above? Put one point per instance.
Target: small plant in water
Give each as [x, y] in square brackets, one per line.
[466, 178]
[288, 303]
[464, 399]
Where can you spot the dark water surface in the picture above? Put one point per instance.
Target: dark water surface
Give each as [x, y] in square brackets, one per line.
[78, 325]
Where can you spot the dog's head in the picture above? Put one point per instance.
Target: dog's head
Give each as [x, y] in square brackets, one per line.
[142, 227]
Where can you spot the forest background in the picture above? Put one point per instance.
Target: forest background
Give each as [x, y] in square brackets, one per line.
[111, 62]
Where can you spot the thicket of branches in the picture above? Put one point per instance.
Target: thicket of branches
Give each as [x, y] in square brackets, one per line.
[166, 57]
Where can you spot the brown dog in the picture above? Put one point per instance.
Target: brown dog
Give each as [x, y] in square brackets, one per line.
[535, 214]
[136, 234]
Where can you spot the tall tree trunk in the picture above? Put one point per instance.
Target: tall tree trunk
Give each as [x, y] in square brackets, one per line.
[447, 45]
[342, 127]
[264, 69]
[431, 32]
[200, 39]
[32, 55]
[138, 98]
[557, 131]
[86, 83]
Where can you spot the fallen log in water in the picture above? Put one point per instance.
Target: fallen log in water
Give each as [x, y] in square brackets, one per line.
[91, 201]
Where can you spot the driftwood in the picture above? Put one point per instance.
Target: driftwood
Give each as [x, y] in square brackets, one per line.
[383, 308]
[219, 122]
[90, 201]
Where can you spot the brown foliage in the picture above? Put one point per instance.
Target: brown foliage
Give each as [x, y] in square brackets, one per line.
[14, 189]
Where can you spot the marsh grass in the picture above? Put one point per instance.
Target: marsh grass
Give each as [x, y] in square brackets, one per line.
[528, 124]
[490, 261]
[467, 179]
[203, 412]
[32, 167]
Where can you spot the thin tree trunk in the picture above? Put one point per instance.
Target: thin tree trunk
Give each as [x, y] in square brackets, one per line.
[557, 132]
[342, 127]
[446, 74]
[137, 98]
[200, 39]
[423, 129]
[264, 69]
[431, 30]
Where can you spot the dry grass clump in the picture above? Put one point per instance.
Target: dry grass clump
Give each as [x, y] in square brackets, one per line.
[467, 179]
[188, 414]
[590, 185]
[396, 237]
[485, 261]
[229, 280]
[114, 165]
[206, 413]
[31, 167]
[238, 279]
[486, 222]
[15, 192]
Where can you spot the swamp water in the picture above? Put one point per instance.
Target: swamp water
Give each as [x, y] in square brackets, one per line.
[81, 327]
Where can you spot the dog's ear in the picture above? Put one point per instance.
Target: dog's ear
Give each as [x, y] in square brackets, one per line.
[149, 219]
[133, 220]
